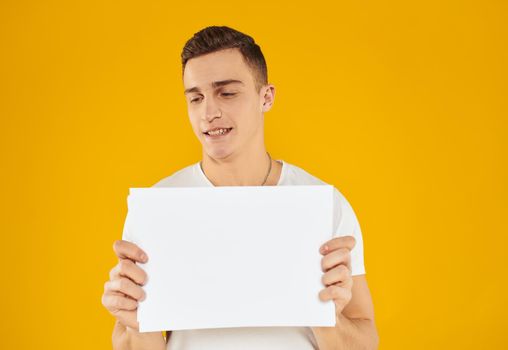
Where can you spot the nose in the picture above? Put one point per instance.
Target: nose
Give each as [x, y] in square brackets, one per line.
[212, 110]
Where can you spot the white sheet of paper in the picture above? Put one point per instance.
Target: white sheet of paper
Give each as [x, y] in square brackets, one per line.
[232, 256]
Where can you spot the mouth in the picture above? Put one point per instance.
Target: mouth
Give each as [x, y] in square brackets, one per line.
[217, 133]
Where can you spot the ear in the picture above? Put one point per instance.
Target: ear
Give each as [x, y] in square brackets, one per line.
[268, 97]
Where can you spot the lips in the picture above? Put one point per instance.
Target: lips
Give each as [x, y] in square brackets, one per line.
[217, 128]
[218, 136]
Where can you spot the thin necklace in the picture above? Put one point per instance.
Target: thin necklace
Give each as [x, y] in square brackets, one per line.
[266, 177]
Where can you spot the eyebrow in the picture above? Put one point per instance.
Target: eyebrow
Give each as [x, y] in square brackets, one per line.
[215, 84]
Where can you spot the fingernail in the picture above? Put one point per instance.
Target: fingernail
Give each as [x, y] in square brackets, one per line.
[324, 248]
[143, 257]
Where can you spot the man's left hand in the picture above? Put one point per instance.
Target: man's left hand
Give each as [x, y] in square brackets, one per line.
[336, 265]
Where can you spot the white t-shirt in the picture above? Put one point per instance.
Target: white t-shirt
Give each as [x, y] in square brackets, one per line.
[265, 338]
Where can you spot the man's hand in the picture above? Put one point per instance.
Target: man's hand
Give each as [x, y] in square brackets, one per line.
[336, 265]
[123, 290]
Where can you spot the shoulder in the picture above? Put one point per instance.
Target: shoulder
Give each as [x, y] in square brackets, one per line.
[180, 178]
[344, 214]
[294, 175]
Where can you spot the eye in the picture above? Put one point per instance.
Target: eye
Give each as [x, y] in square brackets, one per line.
[193, 100]
[228, 94]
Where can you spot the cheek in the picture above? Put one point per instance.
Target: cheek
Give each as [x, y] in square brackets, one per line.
[242, 110]
[194, 119]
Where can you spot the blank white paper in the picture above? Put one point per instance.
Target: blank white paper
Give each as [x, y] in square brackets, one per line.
[232, 256]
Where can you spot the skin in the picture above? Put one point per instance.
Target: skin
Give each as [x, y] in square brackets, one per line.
[235, 160]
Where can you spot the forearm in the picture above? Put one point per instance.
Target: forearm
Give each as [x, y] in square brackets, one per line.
[350, 334]
[129, 339]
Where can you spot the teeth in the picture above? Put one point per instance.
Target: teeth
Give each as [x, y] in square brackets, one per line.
[217, 132]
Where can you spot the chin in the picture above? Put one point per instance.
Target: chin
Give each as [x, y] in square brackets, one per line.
[218, 153]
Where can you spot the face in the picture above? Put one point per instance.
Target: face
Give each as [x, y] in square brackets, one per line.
[220, 93]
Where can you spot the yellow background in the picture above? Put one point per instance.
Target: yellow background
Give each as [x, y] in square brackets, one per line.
[401, 105]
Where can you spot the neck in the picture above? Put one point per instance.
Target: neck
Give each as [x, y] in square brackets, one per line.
[239, 170]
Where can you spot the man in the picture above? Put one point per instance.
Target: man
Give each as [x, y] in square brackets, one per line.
[227, 94]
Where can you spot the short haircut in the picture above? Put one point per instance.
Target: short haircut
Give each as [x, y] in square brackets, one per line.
[215, 38]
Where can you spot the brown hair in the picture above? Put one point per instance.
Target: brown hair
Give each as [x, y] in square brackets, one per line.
[215, 38]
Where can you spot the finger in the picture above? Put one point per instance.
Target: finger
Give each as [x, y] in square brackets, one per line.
[128, 250]
[127, 318]
[337, 275]
[335, 293]
[337, 243]
[114, 302]
[337, 257]
[125, 286]
[127, 268]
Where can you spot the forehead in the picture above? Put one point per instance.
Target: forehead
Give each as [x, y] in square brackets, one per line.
[221, 65]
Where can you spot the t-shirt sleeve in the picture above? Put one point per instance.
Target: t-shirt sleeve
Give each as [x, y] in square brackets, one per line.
[347, 224]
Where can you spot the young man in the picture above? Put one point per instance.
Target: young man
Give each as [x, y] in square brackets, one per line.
[227, 94]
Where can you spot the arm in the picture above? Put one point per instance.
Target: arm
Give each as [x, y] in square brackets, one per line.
[126, 338]
[122, 292]
[355, 328]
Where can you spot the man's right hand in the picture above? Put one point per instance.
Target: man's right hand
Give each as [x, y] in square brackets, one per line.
[123, 290]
